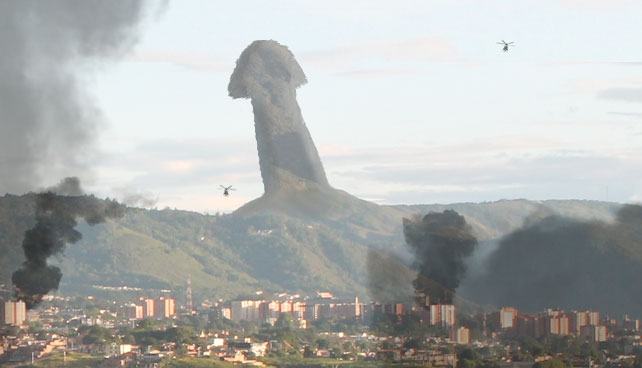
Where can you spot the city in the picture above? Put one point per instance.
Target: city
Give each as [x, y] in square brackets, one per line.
[283, 329]
[315, 184]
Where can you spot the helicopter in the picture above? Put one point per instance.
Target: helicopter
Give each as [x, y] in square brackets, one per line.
[505, 49]
[226, 190]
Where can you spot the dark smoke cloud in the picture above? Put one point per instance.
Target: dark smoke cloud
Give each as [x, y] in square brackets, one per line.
[441, 243]
[56, 212]
[46, 117]
[561, 262]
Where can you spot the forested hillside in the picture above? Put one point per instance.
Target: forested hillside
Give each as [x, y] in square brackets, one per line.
[234, 254]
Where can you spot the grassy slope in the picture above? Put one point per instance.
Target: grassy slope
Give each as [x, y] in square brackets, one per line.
[236, 254]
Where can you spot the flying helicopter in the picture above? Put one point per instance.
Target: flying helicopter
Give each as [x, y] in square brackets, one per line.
[226, 190]
[505, 49]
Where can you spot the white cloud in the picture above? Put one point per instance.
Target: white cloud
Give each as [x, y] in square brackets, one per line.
[485, 169]
[622, 94]
[596, 5]
[190, 60]
[419, 50]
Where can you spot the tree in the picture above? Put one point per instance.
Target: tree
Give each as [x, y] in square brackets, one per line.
[97, 334]
[323, 343]
[284, 322]
[551, 363]
[466, 363]
[307, 352]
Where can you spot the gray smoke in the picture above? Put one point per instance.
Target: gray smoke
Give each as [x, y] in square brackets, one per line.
[268, 74]
[56, 212]
[441, 243]
[47, 118]
[390, 279]
[554, 261]
[134, 198]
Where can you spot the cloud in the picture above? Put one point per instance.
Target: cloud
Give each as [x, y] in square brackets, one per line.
[481, 172]
[178, 166]
[475, 170]
[596, 5]
[190, 60]
[182, 173]
[630, 114]
[622, 94]
[419, 50]
[597, 85]
[135, 198]
[186, 162]
[381, 72]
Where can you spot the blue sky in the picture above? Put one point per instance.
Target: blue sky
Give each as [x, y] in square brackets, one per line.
[407, 101]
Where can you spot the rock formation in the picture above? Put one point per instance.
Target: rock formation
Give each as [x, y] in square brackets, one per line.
[293, 176]
[267, 73]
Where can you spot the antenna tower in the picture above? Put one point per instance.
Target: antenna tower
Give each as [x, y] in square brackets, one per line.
[188, 294]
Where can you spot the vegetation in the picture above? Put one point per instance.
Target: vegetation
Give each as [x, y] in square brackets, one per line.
[228, 255]
[198, 363]
[72, 360]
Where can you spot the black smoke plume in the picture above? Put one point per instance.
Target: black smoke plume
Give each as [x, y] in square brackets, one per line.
[566, 263]
[47, 119]
[441, 242]
[57, 210]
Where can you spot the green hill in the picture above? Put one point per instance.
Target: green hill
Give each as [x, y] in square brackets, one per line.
[358, 250]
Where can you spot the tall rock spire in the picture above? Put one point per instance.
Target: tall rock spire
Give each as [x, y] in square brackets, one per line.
[268, 74]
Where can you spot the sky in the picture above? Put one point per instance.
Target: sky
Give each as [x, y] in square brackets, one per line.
[408, 102]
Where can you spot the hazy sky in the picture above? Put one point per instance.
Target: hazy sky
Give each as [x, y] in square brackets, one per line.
[408, 101]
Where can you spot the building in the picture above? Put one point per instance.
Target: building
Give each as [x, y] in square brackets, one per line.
[133, 311]
[429, 357]
[13, 313]
[530, 325]
[114, 350]
[442, 314]
[246, 310]
[285, 307]
[630, 324]
[558, 324]
[324, 295]
[148, 305]
[354, 309]
[165, 308]
[507, 316]
[594, 333]
[299, 309]
[269, 310]
[581, 319]
[226, 312]
[460, 336]
[311, 312]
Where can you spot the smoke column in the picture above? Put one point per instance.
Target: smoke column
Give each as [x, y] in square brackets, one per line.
[56, 212]
[47, 119]
[441, 242]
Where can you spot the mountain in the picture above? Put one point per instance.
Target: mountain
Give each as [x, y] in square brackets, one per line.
[359, 251]
[303, 235]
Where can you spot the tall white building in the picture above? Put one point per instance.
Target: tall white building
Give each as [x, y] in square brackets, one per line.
[246, 310]
[442, 314]
[13, 313]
